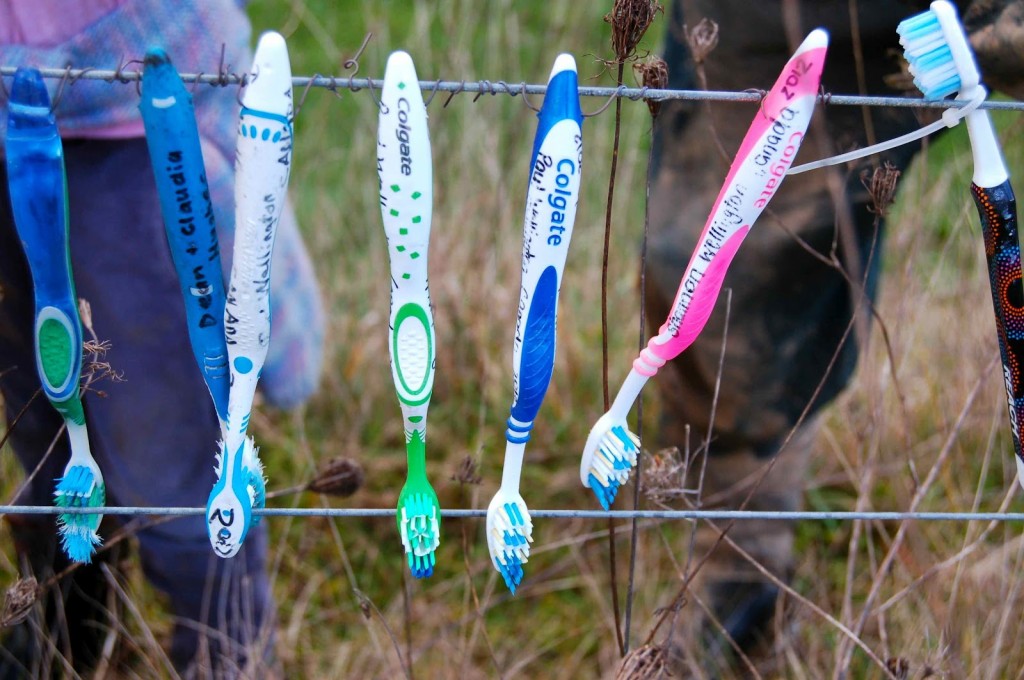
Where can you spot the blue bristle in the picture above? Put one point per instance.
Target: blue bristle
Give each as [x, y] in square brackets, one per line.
[605, 494]
[77, 482]
[917, 25]
[915, 33]
[511, 571]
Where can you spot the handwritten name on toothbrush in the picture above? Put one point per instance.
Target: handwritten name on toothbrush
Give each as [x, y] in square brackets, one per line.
[200, 285]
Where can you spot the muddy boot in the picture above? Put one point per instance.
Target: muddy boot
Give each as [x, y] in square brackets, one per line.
[731, 602]
[72, 619]
[789, 349]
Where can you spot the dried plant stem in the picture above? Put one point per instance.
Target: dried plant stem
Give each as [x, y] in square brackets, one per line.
[637, 490]
[604, 339]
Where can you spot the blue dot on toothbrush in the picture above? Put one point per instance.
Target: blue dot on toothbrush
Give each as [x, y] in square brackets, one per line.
[266, 134]
[277, 137]
[243, 365]
[252, 131]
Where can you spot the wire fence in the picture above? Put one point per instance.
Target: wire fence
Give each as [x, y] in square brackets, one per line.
[122, 74]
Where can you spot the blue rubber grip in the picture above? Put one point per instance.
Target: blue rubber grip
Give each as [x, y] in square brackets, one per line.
[537, 357]
[176, 155]
[561, 102]
[38, 191]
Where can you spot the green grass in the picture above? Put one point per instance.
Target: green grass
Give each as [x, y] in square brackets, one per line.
[893, 421]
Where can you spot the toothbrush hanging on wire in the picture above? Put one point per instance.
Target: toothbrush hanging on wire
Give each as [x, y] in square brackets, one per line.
[942, 64]
[262, 165]
[405, 169]
[764, 156]
[174, 149]
[38, 191]
[551, 199]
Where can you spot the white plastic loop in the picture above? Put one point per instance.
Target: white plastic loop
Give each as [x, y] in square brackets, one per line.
[950, 118]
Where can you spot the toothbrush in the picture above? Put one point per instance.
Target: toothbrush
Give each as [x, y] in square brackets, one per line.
[766, 152]
[551, 199]
[38, 190]
[405, 169]
[262, 164]
[942, 64]
[177, 159]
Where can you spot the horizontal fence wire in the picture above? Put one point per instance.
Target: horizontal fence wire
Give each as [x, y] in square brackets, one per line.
[549, 514]
[482, 87]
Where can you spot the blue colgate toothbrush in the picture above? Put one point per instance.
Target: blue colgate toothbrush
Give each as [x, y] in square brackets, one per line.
[404, 166]
[174, 149]
[38, 189]
[262, 165]
[551, 200]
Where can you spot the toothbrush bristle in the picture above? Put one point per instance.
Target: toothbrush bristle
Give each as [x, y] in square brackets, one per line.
[79, 488]
[420, 533]
[511, 571]
[615, 457]
[510, 536]
[929, 56]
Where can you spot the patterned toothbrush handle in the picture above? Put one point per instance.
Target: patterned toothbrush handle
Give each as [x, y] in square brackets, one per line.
[997, 208]
[176, 155]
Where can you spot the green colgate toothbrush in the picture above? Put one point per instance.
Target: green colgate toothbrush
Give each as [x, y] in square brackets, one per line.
[38, 189]
[406, 195]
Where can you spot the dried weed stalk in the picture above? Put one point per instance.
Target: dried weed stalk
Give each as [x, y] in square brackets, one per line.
[18, 601]
[338, 477]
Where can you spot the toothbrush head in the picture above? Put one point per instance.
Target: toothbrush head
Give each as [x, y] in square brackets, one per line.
[81, 487]
[608, 457]
[940, 57]
[229, 508]
[419, 524]
[509, 534]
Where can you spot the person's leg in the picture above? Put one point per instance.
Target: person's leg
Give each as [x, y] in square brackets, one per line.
[155, 434]
[790, 310]
[76, 616]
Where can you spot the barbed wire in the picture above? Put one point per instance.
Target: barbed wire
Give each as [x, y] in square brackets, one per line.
[482, 87]
[476, 513]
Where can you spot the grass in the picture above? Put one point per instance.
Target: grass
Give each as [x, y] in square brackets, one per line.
[949, 598]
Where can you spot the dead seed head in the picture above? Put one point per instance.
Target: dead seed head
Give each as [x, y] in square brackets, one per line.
[468, 472]
[663, 476]
[702, 39]
[339, 477]
[881, 186]
[18, 601]
[644, 663]
[654, 75]
[899, 667]
[630, 20]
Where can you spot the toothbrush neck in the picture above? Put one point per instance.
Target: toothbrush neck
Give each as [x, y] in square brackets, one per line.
[989, 169]
[513, 468]
[416, 452]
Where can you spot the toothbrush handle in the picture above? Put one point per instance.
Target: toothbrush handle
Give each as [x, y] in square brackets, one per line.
[695, 301]
[177, 159]
[997, 208]
[405, 170]
[262, 164]
[38, 201]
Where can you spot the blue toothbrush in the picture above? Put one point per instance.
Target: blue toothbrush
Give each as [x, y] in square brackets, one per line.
[551, 200]
[174, 149]
[38, 189]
